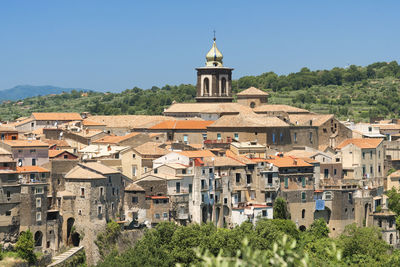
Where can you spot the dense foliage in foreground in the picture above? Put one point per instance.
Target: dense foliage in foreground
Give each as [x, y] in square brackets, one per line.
[268, 243]
[355, 92]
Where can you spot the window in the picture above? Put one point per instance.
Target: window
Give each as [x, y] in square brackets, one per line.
[237, 177]
[99, 210]
[204, 137]
[113, 191]
[2, 136]
[328, 195]
[225, 200]
[33, 162]
[264, 213]
[286, 182]
[363, 170]
[311, 137]
[190, 188]
[350, 197]
[112, 206]
[133, 156]
[157, 216]
[210, 170]
[370, 154]
[303, 213]
[33, 150]
[134, 171]
[303, 196]
[65, 156]
[38, 202]
[202, 198]
[109, 179]
[101, 191]
[155, 171]
[203, 171]
[203, 184]
[38, 216]
[79, 212]
[379, 168]
[334, 171]
[183, 171]
[326, 173]
[273, 138]
[248, 179]
[38, 190]
[165, 215]
[8, 194]
[337, 159]
[218, 136]
[236, 135]
[269, 179]
[82, 192]
[369, 129]
[303, 181]
[379, 154]
[8, 213]
[363, 155]
[281, 137]
[252, 104]
[178, 187]
[371, 170]
[185, 138]
[295, 137]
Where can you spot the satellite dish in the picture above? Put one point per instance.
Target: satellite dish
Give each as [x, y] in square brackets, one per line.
[61, 133]
[55, 124]
[19, 163]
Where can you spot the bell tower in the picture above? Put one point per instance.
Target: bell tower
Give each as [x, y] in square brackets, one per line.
[214, 81]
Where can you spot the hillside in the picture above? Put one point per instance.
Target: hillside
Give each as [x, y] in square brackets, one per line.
[24, 91]
[355, 93]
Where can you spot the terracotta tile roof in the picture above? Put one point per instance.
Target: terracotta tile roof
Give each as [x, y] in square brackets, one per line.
[288, 162]
[54, 153]
[361, 142]
[56, 116]
[222, 162]
[248, 120]
[58, 143]
[211, 108]
[115, 139]
[304, 119]
[88, 122]
[23, 122]
[4, 128]
[25, 143]
[28, 169]
[301, 153]
[101, 168]
[239, 158]
[78, 172]
[252, 91]
[151, 148]
[129, 121]
[88, 133]
[134, 187]
[389, 126]
[197, 153]
[182, 125]
[283, 108]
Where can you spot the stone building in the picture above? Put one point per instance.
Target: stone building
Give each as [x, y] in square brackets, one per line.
[362, 159]
[252, 97]
[45, 120]
[184, 131]
[27, 152]
[95, 196]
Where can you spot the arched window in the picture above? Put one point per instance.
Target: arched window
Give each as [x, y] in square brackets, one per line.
[38, 239]
[223, 86]
[252, 104]
[206, 86]
[303, 214]
[391, 239]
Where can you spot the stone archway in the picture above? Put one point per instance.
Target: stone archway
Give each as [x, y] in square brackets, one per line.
[70, 229]
[204, 214]
[302, 228]
[38, 238]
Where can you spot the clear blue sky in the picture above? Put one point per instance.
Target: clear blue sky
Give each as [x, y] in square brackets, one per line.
[114, 45]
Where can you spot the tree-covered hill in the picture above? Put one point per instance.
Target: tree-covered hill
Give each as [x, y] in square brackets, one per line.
[351, 93]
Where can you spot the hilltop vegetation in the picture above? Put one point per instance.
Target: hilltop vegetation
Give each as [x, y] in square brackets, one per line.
[355, 92]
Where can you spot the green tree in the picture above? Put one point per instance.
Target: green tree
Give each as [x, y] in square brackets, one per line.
[107, 239]
[280, 209]
[25, 247]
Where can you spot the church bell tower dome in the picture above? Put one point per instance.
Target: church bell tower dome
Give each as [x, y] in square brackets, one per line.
[214, 56]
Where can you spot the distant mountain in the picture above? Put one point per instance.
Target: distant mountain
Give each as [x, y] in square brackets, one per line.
[25, 91]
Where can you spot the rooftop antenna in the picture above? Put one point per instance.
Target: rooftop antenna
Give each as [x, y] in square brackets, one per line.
[214, 35]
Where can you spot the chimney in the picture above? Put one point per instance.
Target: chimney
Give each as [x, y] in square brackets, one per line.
[109, 148]
[295, 161]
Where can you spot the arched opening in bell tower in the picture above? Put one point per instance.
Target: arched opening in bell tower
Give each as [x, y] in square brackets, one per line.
[223, 86]
[206, 86]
